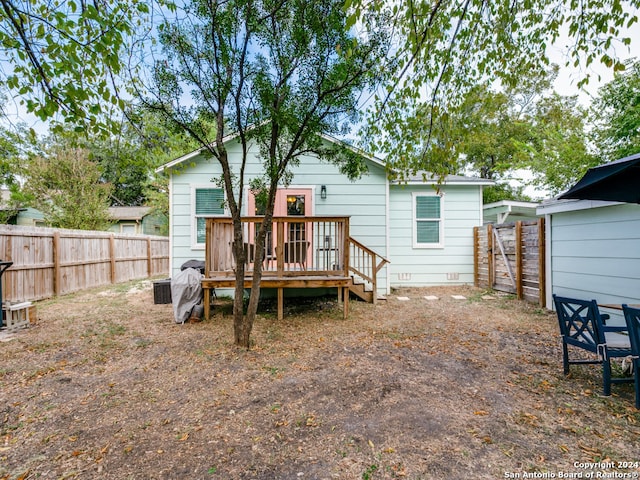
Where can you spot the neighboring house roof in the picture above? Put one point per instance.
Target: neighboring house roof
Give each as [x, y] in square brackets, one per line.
[500, 211]
[425, 178]
[129, 213]
[422, 178]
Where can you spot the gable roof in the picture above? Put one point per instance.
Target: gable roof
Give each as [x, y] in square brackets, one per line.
[420, 178]
[233, 136]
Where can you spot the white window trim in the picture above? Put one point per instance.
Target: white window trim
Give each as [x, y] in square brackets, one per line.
[414, 224]
[129, 224]
[192, 217]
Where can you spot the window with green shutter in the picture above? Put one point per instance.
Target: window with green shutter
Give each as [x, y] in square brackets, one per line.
[208, 202]
[428, 220]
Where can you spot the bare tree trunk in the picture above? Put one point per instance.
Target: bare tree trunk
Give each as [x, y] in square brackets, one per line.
[254, 298]
[241, 337]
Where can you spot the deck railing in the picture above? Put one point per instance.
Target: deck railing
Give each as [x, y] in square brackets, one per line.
[294, 246]
[365, 263]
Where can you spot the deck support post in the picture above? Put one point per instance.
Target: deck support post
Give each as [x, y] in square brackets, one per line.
[345, 301]
[280, 303]
[207, 302]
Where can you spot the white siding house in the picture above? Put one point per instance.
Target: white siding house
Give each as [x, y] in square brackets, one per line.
[426, 235]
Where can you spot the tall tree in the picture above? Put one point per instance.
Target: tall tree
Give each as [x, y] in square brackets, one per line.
[495, 134]
[61, 57]
[278, 73]
[616, 115]
[16, 144]
[560, 150]
[447, 47]
[65, 186]
[129, 155]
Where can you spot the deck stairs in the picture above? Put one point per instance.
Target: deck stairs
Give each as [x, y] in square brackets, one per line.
[364, 290]
[364, 265]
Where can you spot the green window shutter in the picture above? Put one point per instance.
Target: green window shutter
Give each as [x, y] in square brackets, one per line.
[209, 201]
[427, 207]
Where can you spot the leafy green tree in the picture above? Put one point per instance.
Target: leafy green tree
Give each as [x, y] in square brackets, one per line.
[61, 57]
[65, 186]
[444, 49]
[277, 73]
[504, 191]
[17, 143]
[128, 156]
[492, 137]
[496, 134]
[616, 116]
[560, 151]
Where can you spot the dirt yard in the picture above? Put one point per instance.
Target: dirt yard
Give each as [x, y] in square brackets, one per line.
[106, 386]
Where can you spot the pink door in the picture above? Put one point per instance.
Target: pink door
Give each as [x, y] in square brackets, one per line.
[292, 202]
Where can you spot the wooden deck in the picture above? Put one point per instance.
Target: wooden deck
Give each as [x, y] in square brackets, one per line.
[301, 252]
[280, 283]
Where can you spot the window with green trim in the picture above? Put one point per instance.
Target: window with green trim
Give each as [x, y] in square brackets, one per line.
[208, 202]
[427, 212]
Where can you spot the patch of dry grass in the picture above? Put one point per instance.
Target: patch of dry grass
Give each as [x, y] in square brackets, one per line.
[105, 385]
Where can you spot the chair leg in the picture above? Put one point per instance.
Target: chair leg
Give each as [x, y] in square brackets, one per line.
[565, 358]
[606, 377]
[636, 374]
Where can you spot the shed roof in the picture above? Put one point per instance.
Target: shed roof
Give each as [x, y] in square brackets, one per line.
[129, 213]
[503, 209]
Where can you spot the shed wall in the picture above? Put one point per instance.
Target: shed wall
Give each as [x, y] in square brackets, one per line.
[595, 254]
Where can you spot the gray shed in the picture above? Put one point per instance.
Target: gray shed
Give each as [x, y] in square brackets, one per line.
[592, 250]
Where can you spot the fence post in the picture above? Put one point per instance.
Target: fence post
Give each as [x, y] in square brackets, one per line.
[519, 262]
[490, 272]
[542, 277]
[57, 278]
[476, 253]
[112, 256]
[149, 264]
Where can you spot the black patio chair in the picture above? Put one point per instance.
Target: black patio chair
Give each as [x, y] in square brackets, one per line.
[582, 326]
[632, 317]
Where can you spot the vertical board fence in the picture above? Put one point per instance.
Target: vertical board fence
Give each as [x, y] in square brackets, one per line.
[49, 262]
[510, 258]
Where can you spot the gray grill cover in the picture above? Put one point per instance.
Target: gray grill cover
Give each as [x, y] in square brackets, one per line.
[186, 293]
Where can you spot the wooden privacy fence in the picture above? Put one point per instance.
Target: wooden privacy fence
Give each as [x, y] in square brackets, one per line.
[510, 258]
[49, 262]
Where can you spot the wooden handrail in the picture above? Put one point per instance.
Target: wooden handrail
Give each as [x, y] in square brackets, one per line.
[364, 264]
[383, 260]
